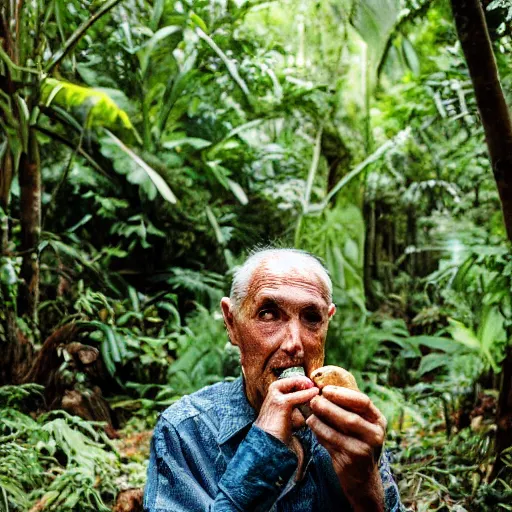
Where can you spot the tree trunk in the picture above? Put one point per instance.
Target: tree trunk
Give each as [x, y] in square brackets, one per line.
[337, 155]
[369, 245]
[494, 113]
[504, 414]
[411, 240]
[30, 217]
[477, 47]
[5, 194]
[6, 163]
[83, 398]
[15, 350]
[4, 231]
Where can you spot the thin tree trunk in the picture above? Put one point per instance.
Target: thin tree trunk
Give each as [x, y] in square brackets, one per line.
[494, 113]
[4, 231]
[504, 414]
[83, 399]
[377, 256]
[369, 244]
[336, 153]
[6, 163]
[12, 349]
[411, 240]
[16, 351]
[30, 217]
[5, 194]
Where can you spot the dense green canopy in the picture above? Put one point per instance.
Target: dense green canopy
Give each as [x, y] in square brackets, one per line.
[147, 145]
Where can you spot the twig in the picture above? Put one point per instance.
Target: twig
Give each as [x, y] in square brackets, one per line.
[78, 33]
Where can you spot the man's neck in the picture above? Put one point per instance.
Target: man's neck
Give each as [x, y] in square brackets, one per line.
[253, 402]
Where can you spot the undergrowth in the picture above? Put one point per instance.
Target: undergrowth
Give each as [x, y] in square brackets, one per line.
[55, 461]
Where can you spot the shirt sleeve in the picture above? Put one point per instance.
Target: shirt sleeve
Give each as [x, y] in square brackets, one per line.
[391, 493]
[253, 479]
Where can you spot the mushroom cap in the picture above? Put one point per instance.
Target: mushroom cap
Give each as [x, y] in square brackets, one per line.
[333, 376]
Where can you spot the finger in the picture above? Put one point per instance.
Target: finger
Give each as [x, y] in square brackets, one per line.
[299, 397]
[336, 442]
[290, 384]
[354, 401]
[298, 420]
[347, 422]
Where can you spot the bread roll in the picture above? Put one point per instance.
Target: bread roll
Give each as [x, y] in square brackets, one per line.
[333, 376]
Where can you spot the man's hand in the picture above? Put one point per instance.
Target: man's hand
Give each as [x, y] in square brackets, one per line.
[278, 414]
[352, 430]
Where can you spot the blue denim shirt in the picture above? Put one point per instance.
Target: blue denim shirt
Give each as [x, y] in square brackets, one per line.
[206, 455]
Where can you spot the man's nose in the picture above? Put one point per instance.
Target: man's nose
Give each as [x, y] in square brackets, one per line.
[292, 345]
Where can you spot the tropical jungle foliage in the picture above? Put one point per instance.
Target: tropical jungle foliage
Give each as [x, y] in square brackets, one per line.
[147, 145]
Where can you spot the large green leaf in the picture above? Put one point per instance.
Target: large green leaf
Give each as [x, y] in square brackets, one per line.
[101, 110]
[231, 67]
[127, 162]
[158, 9]
[399, 139]
[435, 342]
[238, 191]
[490, 333]
[148, 47]
[374, 21]
[337, 235]
[464, 335]
[431, 362]
[215, 225]
[221, 175]
[411, 57]
[175, 101]
[194, 142]
[491, 327]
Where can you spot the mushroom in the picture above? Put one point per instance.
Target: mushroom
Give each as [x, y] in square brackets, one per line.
[333, 376]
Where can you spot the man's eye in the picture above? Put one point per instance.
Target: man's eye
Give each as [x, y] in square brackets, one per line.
[312, 317]
[268, 314]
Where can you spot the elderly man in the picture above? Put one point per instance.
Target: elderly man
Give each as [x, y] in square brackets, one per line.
[244, 445]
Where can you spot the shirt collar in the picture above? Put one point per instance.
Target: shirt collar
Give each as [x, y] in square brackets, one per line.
[236, 411]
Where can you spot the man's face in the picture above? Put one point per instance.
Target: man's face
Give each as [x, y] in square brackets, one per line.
[281, 323]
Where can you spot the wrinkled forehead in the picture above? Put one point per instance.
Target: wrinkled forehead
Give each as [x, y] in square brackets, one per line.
[288, 274]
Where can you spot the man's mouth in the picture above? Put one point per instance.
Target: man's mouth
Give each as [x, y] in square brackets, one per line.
[279, 371]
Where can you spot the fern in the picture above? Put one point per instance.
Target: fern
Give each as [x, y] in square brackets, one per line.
[33, 451]
[203, 284]
[14, 396]
[204, 354]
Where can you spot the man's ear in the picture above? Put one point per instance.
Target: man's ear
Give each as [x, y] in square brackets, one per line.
[331, 311]
[229, 319]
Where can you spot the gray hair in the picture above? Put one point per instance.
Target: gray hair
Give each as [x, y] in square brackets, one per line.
[243, 274]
